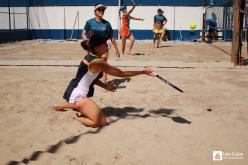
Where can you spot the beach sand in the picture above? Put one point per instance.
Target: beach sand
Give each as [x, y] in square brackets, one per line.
[150, 122]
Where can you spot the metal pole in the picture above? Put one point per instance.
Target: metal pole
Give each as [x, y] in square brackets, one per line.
[119, 20]
[64, 25]
[204, 20]
[78, 25]
[14, 16]
[74, 26]
[174, 22]
[9, 16]
[224, 20]
[27, 13]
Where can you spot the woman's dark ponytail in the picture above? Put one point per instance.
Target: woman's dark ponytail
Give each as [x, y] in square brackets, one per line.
[91, 44]
[85, 45]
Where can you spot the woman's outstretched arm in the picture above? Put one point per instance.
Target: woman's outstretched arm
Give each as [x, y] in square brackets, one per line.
[101, 66]
[135, 18]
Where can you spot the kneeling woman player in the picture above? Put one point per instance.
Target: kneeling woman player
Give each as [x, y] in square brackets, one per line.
[81, 88]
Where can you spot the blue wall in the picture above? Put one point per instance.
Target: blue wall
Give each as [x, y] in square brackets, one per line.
[16, 35]
[183, 35]
[23, 3]
[60, 34]
[18, 3]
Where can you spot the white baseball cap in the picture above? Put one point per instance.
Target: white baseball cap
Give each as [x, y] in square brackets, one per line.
[100, 6]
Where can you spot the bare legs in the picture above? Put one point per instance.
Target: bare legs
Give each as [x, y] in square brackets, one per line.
[162, 36]
[131, 38]
[104, 58]
[123, 44]
[60, 107]
[154, 39]
[157, 37]
[91, 114]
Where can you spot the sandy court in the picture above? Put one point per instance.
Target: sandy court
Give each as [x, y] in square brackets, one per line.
[183, 51]
[151, 123]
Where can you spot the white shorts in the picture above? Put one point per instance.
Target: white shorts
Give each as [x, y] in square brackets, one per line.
[76, 96]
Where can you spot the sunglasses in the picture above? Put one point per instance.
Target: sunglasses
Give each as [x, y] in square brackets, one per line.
[101, 9]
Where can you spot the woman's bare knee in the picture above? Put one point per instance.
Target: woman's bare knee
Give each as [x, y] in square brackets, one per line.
[100, 123]
[103, 121]
[93, 114]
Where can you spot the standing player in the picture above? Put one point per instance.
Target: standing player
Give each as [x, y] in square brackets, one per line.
[158, 27]
[211, 25]
[125, 28]
[102, 30]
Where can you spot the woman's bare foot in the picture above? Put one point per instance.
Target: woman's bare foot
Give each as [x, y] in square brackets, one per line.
[77, 116]
[58, 107]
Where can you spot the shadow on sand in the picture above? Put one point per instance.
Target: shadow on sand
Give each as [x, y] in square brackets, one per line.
[165, 46]
[118, 82]
[119, 113]
[139, 54]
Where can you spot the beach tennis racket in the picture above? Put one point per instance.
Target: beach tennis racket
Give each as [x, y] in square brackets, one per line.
[167, 82]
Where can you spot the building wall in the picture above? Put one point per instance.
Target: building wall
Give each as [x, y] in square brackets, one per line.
[55, 19]
[18, 21]
[62, 19]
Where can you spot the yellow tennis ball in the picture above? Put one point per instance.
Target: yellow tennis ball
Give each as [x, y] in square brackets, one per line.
[192, 26]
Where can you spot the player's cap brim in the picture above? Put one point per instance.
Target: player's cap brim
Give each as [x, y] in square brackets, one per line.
[100, 6]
